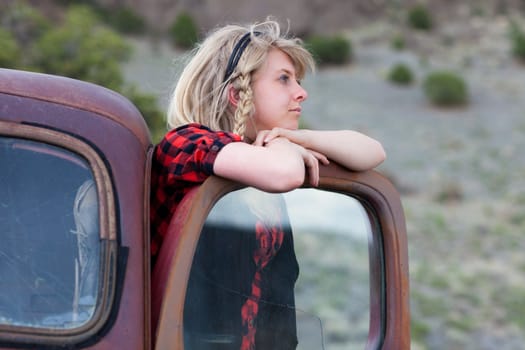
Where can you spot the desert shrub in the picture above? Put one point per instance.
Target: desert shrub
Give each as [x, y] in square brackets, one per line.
[478, 10]
[445, 88]
[517, 38]
[184, 31]
[10, 51]
[92, 3]
[419, 18]
[401, 74]
[121, 18]
[450, 192]
[125, 20]
[330, 50]
[397, 42]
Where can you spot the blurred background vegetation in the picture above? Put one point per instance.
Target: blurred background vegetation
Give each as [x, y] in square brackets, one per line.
[87, 40]
[479, 218]
[80, 40]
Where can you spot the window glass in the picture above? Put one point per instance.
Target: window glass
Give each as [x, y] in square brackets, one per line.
[50, 251]
[278, 270]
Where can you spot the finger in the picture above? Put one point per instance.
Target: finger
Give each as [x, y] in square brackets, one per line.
[312, 165]
[320, 157]
[274, 133]
[260, 139]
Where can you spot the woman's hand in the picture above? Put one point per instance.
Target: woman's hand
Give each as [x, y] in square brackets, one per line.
[310, 158]
[299, 137]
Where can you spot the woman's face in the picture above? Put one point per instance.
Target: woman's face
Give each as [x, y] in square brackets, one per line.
[277, 95]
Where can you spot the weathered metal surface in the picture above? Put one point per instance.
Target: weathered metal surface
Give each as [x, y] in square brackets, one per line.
[116, 131]
[389, 322]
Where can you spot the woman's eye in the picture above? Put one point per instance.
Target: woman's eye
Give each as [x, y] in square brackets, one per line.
[284, 78]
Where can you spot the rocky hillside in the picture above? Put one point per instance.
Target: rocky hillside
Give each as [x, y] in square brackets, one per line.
[307, 16]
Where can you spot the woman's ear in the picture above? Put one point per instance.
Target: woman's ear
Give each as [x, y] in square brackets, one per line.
[233, 96]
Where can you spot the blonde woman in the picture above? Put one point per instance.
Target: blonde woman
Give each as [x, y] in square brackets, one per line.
[235, 113]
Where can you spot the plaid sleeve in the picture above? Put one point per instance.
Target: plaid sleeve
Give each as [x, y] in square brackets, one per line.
[181, 161]
[188, 153]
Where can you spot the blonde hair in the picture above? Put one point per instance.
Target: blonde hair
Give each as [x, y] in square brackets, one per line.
[201, 94]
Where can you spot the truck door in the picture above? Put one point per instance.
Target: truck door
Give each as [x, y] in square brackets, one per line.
[320, 268]
[74, 257]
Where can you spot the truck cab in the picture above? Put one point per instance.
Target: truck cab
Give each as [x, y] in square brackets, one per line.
[75, 264]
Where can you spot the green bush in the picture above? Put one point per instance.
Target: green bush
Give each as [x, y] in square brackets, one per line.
[184, 31]
[24, 22]
[124, 20]
[445, 88]
[397, 42]
[148, 107]
[419, 18]
[84, 49]
[401, 74]
[330, 50]
[121, 18]
[24, 25]
[79, 47]
[10, 52]
[517, 37]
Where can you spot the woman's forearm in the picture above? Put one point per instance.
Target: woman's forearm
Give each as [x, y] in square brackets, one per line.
[275, 168]
[349, 148]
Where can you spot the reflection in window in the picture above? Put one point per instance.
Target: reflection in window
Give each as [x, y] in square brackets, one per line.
[313, 289]
[49, 257]
[331, 234]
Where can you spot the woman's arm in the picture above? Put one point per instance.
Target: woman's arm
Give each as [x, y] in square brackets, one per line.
[349, 148]
[279, 166]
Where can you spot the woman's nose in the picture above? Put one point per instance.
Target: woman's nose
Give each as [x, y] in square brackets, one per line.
[301, 93]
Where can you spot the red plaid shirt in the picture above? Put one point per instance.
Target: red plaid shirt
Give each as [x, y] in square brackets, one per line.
[182, 160]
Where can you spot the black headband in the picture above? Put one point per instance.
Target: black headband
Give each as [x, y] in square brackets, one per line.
[237, 52]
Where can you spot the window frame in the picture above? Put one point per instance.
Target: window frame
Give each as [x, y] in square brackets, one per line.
[15, 335]
[389, 284]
